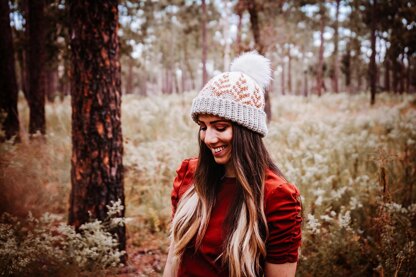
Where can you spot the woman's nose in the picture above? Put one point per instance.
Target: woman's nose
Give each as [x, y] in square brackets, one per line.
[210, 136]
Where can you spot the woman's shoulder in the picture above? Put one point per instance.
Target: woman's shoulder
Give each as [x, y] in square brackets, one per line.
[183, 180]
[187, 165]
[278, 191]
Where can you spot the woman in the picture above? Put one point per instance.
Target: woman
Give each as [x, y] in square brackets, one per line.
[234, 214]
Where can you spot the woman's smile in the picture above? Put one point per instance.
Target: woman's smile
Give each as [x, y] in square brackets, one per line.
[218, 151]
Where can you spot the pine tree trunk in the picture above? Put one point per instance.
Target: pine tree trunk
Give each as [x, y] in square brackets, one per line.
[227, 48]
[51, 83]
[387, 73]
[255, 29]
[319, 75]
[289, 72]
[282, 83]
[204, 44]
[335, 77]
[396, 69]
[347, 68]
[36, 61]
[305, 83]
[129, 78]
[97, 144]
[402, 74]
[8, 81]
[255, 25]
[239, 46]
[267, 105]
[408, 76]
[373, 68]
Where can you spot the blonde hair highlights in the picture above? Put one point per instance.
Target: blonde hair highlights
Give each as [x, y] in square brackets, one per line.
[245, 246]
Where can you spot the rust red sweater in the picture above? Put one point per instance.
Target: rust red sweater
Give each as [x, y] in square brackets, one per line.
[282, 209]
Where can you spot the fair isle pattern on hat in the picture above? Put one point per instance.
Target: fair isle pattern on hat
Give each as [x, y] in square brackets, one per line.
[236, 95]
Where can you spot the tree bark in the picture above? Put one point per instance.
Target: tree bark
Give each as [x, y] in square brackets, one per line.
[319, 75]
[335, 77]
[36, 62]
[346, 61]
[373, 67]
[51, 84]
[97, 144]
[282, 83]
[239, 46]
[204, 44]
[255, 28]
[8, 81]
[387, 73]
[227, 48]
[289, 71]
[402, 74]
[130, 77]
[396, 69]
[408, 76]
[305, 83]
[255, 25]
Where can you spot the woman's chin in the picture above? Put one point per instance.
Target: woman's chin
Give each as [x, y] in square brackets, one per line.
[221, 160]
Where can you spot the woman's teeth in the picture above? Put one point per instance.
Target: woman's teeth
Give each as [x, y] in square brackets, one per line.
[216, 150]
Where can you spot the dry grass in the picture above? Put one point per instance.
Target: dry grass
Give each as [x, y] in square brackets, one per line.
[332, 147]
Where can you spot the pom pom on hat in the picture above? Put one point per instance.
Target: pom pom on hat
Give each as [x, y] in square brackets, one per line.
[254, 65]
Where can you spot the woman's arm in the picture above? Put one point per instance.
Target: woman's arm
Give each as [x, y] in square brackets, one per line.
[280, 270]
[168, 267]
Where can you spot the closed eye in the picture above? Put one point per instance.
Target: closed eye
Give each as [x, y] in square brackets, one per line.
[221, 128]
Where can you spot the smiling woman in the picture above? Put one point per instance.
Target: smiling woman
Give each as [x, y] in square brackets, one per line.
[233, 211]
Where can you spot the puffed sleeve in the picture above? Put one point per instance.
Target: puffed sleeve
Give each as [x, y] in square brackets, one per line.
[283, 214]
[182, 182]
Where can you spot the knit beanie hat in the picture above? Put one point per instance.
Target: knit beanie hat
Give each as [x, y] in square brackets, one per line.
[237, 95]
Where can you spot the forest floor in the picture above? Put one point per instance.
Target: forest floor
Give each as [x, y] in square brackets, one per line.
[147, 259]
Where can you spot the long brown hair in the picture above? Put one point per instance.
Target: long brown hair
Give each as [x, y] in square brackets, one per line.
[244, 248]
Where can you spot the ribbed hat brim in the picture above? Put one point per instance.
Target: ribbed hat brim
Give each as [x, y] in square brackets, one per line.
[245, 115]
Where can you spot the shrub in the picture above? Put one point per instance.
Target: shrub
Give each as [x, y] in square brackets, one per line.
[46, 246]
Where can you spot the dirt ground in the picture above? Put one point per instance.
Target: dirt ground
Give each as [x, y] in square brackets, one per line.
[146, 255]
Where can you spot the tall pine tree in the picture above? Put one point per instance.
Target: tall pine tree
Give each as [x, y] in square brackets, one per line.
[8, 82]
[97, 145]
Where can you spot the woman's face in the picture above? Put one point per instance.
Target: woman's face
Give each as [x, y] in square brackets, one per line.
[217, 134]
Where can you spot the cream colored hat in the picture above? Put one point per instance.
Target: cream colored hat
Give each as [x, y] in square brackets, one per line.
[237, 95]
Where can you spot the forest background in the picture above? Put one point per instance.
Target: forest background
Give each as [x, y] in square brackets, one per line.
[113, 81]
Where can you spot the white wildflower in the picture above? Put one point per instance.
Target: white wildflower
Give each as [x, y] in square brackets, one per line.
[326, 218]
[355, 203]
[337, 194]
[345, 220]
[313, 224]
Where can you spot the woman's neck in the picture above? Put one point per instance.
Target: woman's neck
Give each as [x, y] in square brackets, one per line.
[229, 170]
